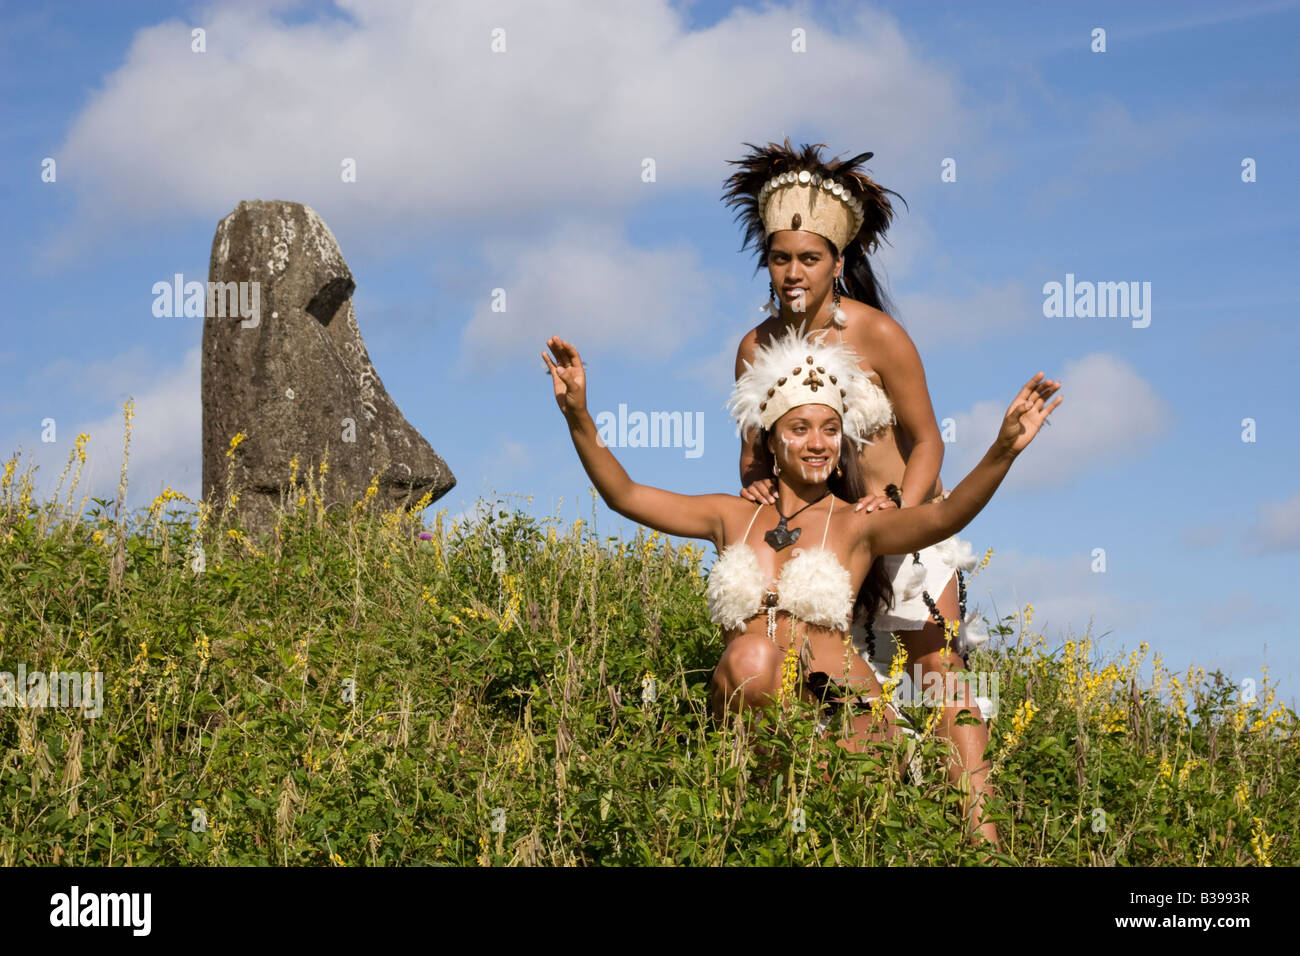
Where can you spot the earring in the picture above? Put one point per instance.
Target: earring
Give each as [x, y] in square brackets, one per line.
[839, 471]
[838, 315]
[771, 307]
[776, 467]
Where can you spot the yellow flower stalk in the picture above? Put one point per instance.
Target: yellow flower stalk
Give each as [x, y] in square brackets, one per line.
[1241, 795]
[1020, 721]
[897, 668]
[516, 600]
[1260, 843]
[789, 672]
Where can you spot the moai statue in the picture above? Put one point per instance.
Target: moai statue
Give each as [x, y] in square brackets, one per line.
[292, 373]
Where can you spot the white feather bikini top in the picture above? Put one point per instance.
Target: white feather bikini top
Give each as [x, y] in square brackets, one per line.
[813, 586]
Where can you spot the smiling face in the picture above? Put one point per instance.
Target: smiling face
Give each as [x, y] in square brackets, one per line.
[805, 441]
[803, 264]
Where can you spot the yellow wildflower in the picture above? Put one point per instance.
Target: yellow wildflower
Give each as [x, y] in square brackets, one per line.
[1020, 721]
[1260, 842]
[1241, 795]
[789, 673]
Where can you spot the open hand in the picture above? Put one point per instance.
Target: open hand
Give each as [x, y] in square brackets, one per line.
[762, 492]
[874, 502]
[1027, 414]
[568, 376]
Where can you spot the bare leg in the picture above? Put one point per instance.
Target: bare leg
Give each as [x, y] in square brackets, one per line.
[748, 675]
[969, 741]
[747, 681]
[844, 676]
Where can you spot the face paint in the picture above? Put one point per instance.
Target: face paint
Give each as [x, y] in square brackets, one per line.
[793, 449]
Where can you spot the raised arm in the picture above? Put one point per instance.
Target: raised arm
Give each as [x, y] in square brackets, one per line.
[898, 532]
[688, 516]
[903, 376]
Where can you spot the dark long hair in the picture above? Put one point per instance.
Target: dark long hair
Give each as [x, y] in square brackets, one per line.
[851, 486]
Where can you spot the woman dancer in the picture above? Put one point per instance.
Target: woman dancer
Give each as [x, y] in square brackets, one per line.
[813, 223]
[802, 394]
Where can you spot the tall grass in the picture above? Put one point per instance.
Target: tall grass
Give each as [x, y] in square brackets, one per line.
[518, 691]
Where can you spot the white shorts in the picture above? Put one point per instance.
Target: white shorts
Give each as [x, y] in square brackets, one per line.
[938, 563]
[909, 612]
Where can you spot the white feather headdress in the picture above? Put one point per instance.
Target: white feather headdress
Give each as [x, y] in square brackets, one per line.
[798, 369]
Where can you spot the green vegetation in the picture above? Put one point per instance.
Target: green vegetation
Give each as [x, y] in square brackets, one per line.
[345, 692]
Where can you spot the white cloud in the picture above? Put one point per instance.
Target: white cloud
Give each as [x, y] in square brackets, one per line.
[166, 436]
[937, 321]
[1109, 415]
[508, 467]
[587, 284]
[445, 130]
[1278, 527]
[1069, 598]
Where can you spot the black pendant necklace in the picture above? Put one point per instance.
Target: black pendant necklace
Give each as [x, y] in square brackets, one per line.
[781, 536]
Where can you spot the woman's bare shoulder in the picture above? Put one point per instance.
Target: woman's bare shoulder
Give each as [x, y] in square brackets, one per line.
[868, 324]
[760, 334]
[736, 513]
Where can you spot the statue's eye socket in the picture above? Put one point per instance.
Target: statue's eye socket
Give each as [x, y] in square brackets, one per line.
[327, 301]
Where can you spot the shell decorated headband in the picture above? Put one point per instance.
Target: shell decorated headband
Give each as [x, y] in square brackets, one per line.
[779, 187]
[811, 202]
[798, 369]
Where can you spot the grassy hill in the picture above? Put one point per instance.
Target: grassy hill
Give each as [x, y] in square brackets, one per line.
[348, 692]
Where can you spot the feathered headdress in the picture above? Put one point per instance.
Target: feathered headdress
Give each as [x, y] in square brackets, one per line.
[797, 369]
[778, 187]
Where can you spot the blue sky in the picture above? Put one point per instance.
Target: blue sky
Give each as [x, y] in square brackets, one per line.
[521, 171]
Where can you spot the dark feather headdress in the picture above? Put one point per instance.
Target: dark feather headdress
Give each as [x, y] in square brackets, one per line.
[744, 190]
